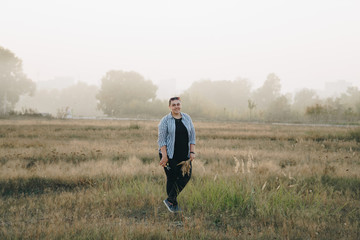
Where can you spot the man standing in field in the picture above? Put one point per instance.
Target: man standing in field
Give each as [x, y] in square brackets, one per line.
[176, 139]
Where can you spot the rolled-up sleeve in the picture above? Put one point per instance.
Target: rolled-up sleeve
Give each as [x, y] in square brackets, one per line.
[192, 139]
[162, 133]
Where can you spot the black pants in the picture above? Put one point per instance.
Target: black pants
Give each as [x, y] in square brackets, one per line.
[175, 181]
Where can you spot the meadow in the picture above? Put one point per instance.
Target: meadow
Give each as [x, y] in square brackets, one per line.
[91, 179]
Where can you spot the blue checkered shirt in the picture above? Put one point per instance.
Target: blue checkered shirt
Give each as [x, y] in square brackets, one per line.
[166, 134]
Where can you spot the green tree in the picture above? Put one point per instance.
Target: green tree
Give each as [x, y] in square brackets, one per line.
[228, 94]
[279, 109]
[125, 93]
[304, 98]
[316, 112]
[217, 99]
[198, 106]
[267, 93]
[351, 99]
[13, 82]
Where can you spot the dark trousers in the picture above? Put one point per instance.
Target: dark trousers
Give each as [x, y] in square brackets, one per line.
[175, 181]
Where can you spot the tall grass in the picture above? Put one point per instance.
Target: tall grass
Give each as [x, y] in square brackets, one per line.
[101, 180]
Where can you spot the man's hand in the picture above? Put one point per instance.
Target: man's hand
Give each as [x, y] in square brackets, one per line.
[164, 160]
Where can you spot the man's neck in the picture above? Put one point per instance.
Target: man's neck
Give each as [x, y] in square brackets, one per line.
[177, 116]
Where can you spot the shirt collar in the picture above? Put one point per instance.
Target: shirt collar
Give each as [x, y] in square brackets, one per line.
[170, 116]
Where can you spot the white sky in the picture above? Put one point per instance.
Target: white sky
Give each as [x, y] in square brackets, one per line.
[305, 42]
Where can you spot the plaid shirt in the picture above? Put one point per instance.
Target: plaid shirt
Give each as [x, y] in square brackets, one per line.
[166, 134]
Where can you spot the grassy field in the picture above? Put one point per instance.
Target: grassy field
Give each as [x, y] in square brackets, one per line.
[83, 179]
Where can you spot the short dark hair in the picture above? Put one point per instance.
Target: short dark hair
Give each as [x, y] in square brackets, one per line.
[174, 98]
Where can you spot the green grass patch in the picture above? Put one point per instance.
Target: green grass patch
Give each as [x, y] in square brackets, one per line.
[342, 184]
[223, 195]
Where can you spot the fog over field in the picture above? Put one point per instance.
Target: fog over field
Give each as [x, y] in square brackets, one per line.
[240, 60]
[306, 43]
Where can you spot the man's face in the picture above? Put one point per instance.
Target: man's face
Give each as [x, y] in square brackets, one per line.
[175, 106]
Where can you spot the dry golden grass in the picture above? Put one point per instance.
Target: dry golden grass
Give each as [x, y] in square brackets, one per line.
[101, 179]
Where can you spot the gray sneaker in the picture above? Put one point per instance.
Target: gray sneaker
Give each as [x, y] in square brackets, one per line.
[169, 206]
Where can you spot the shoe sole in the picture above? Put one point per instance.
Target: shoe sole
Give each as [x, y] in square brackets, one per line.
[167, 206]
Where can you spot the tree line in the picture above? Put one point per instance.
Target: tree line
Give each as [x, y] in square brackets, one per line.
[129, 94]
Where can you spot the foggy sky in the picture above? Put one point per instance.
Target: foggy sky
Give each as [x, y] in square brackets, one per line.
[306, 43]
